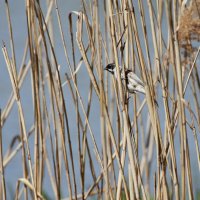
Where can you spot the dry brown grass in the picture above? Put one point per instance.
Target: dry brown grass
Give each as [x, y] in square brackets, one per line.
[159, 40]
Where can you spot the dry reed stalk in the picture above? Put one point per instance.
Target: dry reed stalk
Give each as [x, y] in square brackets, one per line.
[13, 77]
[108, 191]
[3, 186]
[9, 155]
[78, 118]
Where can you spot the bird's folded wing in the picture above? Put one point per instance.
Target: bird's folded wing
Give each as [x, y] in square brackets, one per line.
[132, 78]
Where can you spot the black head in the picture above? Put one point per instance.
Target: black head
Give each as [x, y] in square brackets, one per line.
[110, 67]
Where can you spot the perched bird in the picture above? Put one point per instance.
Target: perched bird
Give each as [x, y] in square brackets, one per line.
[133, 83]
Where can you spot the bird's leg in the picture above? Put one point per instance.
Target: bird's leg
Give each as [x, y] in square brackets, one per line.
[127, 99]
[156, 103]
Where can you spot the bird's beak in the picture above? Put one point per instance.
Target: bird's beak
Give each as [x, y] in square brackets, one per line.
[106, 68]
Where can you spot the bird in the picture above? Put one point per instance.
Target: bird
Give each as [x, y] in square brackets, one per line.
[132, 81]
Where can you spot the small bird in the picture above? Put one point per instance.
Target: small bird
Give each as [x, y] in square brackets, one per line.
[133, 83]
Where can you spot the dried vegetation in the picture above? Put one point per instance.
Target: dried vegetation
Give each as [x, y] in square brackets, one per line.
[91, 140]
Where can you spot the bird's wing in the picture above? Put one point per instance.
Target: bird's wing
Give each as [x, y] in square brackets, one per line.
[133, 78]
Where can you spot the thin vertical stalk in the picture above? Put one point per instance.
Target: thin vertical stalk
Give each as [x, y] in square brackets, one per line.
[1, 163]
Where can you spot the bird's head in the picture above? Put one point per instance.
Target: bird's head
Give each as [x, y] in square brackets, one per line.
[110, 67]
